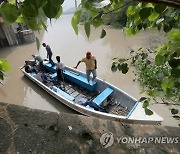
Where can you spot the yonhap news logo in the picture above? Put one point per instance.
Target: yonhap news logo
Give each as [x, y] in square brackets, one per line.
[107, 140]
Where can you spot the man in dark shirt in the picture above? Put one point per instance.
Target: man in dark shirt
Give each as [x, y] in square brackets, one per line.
[29, 68]
[49, 53]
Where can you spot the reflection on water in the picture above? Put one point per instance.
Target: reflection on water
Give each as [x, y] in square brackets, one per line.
[63, 41]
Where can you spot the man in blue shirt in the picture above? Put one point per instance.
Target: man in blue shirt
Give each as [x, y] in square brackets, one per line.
[49, 53]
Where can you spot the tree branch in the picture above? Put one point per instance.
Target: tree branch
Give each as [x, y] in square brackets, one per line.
[119, 7]
[166, 103]
[171, 3]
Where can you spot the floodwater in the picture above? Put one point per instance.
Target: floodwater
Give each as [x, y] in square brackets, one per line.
[19, 90]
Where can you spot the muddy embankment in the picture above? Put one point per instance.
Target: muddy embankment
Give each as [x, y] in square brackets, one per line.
[25, 130]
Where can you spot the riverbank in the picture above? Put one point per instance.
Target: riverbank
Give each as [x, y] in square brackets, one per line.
[25, 130]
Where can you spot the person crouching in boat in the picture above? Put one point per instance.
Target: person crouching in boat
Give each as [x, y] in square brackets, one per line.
[91, 65]
[59, 69]
[29, 68]
[38, 58]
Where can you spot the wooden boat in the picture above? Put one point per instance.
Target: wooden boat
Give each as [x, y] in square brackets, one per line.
[104, 99]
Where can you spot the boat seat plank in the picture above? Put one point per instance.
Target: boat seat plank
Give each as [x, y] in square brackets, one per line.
[54, 75]
[75, 93]
[80, 80]
[103, 95]
[62, 93]
[49, 67]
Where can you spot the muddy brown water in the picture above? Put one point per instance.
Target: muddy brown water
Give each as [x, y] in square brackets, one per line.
[19, 90]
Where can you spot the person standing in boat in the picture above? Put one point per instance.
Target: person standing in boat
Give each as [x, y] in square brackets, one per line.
[49, 53]
[59, 69]
[40, 61]
[91, 65]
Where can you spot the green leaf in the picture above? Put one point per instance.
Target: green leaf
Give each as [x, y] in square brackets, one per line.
[87, 5]
[124, 68]
[145, 104]
[4, 64]
[115, 58]
[37, 43]
[159, 59]
[130, 11]
[74, 25]
[51, 8]
[149, 5]
[87, 29]
[130, 31]
[167, 83]
[174, 62]
[119, 67]
[174, 111]
[175, 72]
[152, 93]
[59, 12]
[176, 117]
[1, 76]
[9, 12]
[28, 10]
[32, 23]
[20, 19]
[113, 68]
[12, 1]
[174, 35]
[103, 33]
[36, 3]
[121, 60]
[44, 25]
[145, 13]
[77, 16]
[60, 2]
[160, 8]
[153, 16]
[167, 28]
[148, 111]
[94, 14]
[97, 22]
[142, 99]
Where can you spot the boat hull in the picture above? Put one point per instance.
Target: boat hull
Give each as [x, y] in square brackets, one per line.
[89, 112]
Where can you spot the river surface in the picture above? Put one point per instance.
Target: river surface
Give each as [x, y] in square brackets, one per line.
[19, 90]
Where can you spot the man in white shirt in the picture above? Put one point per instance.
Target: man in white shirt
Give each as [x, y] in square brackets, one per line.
[59, 69]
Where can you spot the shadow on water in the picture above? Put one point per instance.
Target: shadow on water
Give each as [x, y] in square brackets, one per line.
[45, 99]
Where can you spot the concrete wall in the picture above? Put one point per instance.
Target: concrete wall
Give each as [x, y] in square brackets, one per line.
[10, 36]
